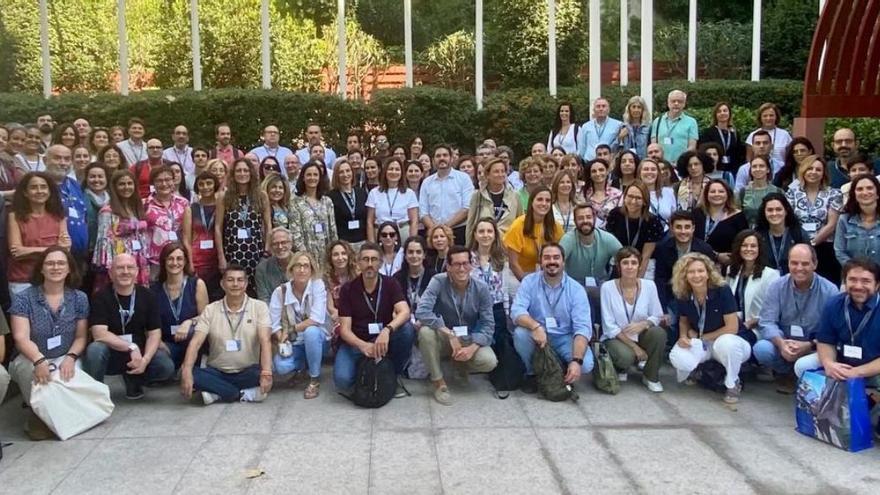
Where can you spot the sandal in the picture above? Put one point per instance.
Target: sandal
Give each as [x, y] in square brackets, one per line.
[312, 390]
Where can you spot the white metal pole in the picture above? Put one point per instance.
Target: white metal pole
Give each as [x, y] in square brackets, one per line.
[595, 52]
[265, 50]
[692, 41]
[407, 41]
[196, 43]
[624, 42]
[647, 62]
[756, 41]
[824, 45]
[551, 45]
[340, 33]
[44, 48]
[478, 58]
[123, 47]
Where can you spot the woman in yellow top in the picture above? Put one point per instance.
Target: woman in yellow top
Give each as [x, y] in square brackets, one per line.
[531, 231]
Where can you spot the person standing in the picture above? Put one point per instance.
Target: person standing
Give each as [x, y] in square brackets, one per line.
[312, 217]
[675, 130]
[181, 152]
[601, 129]
[271, 146]
[445, 196]
[134, 148]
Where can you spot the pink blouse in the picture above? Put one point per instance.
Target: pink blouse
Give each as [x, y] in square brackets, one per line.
[164, 224]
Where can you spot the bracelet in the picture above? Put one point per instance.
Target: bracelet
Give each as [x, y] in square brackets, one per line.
[390, 330]
[74, 355]
[579, 361]
[40, 361]
[266, 373]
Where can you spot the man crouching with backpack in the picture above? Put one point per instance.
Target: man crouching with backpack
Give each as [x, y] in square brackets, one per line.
[457, 320]
[552, 308]
[374, 322]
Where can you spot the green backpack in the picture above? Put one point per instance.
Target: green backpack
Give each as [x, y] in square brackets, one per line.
[550, 377]
[604, 374]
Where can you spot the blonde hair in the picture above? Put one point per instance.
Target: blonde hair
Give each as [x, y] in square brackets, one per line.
[446, 230]
[316, 268]
[646, 112]
[680, 286]
[808, 162]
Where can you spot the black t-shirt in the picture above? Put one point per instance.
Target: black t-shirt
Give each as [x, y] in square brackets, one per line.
[343, 214]
[634, 232]
[105, 310]
[498, 204]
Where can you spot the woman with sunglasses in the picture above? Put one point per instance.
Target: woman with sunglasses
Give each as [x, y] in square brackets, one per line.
[392, 256]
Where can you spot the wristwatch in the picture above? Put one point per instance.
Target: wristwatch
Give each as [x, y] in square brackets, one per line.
[579, 361]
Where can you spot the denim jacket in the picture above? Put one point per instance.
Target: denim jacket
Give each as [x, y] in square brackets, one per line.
[851, 239]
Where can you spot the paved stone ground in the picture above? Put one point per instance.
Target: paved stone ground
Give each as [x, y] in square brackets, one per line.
[682, 441]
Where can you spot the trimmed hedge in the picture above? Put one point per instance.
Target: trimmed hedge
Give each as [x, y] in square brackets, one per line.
[516, 117]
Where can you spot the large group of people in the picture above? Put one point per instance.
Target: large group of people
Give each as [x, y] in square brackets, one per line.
[226, 270]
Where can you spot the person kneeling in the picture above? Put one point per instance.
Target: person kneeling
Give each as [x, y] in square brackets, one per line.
[239, 351]
[298, 310]
[551, 307]
[457, 320]
[374, 322]
[631, 313]
[708, 323]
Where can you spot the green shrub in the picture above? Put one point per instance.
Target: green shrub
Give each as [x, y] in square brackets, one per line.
[451, 60]
[516, 118]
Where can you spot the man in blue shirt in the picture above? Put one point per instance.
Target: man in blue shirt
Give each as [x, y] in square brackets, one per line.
[58, 162]
[602, 129]
[313, 138]
[271, 145]
[790, 316]
[675, 130]
[849, 346]
[552, 308]
[445, 196]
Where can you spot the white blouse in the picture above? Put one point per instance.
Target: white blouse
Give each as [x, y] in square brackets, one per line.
[392, 205]
[755, 292]
[565, 141]
[617, 313]
[312, 306]
[664, 206]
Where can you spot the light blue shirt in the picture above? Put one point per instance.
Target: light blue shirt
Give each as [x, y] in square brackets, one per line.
[329, 156]
[280, 153]
[441, 199]
[567, 302]
[785, 306]
[851, 239]
[593, 134]
[674, 134]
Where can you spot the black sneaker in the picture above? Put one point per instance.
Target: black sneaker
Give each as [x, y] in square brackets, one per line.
[530, 385]
[134, 389]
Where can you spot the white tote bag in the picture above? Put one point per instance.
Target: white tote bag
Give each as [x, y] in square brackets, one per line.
[70, 408]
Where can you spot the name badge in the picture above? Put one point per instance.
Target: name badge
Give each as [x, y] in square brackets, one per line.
[244, 234]
[374, 328]
[152, 189]
[172, 236]
[233, 345]
[126, 337]
[810, 226]
[590, 282]
[174, 329]
[460, 331]
[319, 228]
[725, 159]
[852, 351]
[797, 331]
[354, 224]
[72, 213]
[667, 140]
[136, 245]
[208, 244]
[53, 342]
[550, 322]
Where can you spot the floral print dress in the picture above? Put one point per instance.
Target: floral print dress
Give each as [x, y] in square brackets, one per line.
[117, 235]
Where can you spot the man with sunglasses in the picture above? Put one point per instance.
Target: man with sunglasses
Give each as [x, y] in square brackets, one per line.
[374, 320]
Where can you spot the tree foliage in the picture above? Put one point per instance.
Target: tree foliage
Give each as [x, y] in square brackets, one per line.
[451, 60]
[364, 56]
[787, 34]
[433, 20]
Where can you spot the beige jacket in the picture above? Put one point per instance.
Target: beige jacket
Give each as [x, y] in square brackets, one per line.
[481, 206]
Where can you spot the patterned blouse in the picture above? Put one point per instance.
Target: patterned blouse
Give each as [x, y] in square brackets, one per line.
[47, 324]
[493, 278]
[164, 224]
[118, 235]
[814, 215]
[280, 218]
[686, 199]
[313, 226]
[601, 209]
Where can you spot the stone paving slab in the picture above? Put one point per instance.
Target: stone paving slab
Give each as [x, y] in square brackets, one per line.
[682, 441]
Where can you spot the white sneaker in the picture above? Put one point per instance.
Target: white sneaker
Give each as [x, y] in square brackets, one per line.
[622, 377]
[253, 394]
[208, 398]
[655, 387]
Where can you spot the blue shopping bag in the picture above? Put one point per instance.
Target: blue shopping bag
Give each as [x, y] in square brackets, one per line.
[833, 411]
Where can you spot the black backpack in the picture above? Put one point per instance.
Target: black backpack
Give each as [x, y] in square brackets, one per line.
[711, 376]
[508, 374]
[374, 384]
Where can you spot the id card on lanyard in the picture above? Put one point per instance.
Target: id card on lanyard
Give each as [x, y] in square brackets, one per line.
[234, 344]
[125, 315]
[550, 321]
[375, 326]
[852, 350]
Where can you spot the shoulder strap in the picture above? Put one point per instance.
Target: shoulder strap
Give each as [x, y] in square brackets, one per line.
[285, 318]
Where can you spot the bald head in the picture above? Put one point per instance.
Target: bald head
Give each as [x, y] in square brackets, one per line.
[123, 270]
[844, 143]
[58, 161]
[802, 262]
[676, 101]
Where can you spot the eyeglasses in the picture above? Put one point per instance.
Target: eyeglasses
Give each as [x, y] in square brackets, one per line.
[844, 141]
[388, 234]
[301, 266]
[281, 243]
[154, 147]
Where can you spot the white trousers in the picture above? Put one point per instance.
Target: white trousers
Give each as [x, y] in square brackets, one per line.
[730, 350]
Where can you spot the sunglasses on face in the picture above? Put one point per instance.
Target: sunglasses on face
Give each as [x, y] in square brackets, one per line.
[388, 234]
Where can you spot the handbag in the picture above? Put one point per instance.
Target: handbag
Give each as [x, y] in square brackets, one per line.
[604, 374]
[72, 407]
[832, 411]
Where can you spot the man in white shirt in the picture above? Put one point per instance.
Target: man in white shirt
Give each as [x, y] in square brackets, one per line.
[314, 137]
[271, 137]
[602, 129]
[445, 196]
[134, 148]
[181, 152]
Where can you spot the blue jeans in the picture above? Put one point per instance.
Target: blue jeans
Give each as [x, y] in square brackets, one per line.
[100, 360]
[768, 355]
[310, 352]
[561, 343]
[347, 357]
[227, 385]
